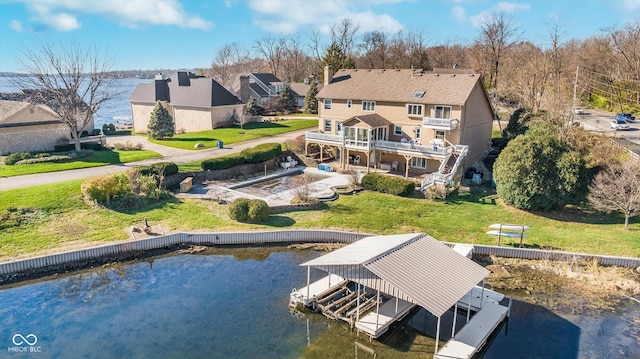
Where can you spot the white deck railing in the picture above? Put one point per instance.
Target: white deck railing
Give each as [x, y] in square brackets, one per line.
[440, 123]
[415, 148]
[443, 178]
[324, 137]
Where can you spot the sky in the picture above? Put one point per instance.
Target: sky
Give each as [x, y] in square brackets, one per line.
[186, 34]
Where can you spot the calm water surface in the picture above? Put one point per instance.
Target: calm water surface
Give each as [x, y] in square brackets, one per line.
[235, 305]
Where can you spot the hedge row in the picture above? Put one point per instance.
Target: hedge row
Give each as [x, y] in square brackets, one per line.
[392, 185]
[85, 146]
[260, 153]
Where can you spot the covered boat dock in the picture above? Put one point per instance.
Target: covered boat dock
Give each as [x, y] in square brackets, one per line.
[384, 277]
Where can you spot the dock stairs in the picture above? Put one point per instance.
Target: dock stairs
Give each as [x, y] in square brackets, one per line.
[449, 167]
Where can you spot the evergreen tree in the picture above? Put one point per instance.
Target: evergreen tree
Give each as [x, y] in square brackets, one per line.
[310, 100]
[161, 124]
[287, 99]
[334, 57]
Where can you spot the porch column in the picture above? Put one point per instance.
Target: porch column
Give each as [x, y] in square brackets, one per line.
[377, 309]
[321, 153]
[306, 148]
[407, 159]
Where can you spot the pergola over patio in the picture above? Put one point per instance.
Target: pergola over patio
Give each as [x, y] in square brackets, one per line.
[412, 267]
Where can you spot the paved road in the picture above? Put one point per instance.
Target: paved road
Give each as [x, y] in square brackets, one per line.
[169, 154]
[599, 121]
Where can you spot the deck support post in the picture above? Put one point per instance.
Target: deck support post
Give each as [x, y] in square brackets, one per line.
[469, 306]
[377, 309]
[437, 336]
[308, 281]
[455, 315]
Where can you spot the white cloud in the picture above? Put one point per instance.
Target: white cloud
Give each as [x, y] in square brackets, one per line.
[289, 16]
[16, 26]
[459, 13]
[631, 5]
[62, 14]
[503, 7]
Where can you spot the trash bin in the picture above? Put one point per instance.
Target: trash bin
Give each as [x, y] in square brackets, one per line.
[220, 144]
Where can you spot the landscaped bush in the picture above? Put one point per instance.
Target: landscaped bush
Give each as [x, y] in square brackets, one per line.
[109, 129]
[391, 185]
[104, 188]
[261, 153]
[127, 146]
[95, 132]
[13, 158]
[249, 210]
[43, 159]
[160, 168]
[224, 162]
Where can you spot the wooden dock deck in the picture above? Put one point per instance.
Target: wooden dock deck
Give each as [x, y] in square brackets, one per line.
[474, 334]
[375, 325]
[308, 294]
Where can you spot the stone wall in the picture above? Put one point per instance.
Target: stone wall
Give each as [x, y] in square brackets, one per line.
[36, 138]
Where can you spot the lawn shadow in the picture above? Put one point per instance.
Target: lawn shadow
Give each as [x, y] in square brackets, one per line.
[280, 221]
[137, 204]
[189, 139]
[257, 125]
[530, 246]
[477, 194]
[574, 214]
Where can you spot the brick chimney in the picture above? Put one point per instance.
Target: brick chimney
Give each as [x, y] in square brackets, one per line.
[328, 74]
[244, 89]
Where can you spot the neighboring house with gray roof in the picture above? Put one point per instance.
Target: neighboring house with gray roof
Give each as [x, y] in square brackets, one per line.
[27, 127]
[196, 103]
[264, 86]
[423, 124]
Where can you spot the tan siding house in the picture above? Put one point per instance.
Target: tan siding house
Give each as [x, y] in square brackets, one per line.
[196, 103]
[424, 124]
[25, 127]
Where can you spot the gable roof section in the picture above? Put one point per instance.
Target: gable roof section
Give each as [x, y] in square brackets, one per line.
[266, 78]
[10, 109]
[400, 85]
[373, 120]
[199, 92]
[423, 269]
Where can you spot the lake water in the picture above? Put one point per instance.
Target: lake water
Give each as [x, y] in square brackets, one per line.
[234, 304]
[116, 109]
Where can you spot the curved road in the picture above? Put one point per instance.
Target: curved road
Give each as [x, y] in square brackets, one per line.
[169, 155]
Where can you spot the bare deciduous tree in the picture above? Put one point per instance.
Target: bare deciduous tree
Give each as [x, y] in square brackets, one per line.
[344, 34]
[227, 62]
[617, 189]
[73, 81]
[498, 33]
[272, 50]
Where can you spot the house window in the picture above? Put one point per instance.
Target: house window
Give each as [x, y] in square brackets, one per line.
[369, 106]
[443, 111]
[414, 110]
[439, 135]
[397, 130]
[349, 103]
[418, 162]
[338, 128]
[418, 133]
[327, 103]
[327, 125]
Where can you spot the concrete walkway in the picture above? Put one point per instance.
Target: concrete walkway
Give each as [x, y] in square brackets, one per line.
[169, 155]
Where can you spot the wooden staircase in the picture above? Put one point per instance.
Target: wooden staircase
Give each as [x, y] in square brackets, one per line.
[448, 167]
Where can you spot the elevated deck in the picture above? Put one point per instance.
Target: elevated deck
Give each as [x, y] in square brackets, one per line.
[376, 324]
[307, 295]
[472, 337]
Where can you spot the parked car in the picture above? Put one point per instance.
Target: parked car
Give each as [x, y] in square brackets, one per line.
[578, 111]
[619, 125]
[626, 117]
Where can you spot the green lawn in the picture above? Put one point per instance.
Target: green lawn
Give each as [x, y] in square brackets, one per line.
[234, 134]
[36, 218]
[98, 158]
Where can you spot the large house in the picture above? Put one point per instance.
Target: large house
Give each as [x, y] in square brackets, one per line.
[265, 86]
[196, 103]
[425, 124]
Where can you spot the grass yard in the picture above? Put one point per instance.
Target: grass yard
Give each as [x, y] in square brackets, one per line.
[234, 134]
[38, 218]
[98, 158]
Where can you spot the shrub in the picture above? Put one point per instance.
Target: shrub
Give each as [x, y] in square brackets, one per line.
[43, 159]
[109, 129]
[127, 146]
[261, 153]
[160, 168]
[13, 158]
[104, 188]
[96, 132]
[249, 210]
[85, 146]
[223, 162]
[390, 185]
[296, 145]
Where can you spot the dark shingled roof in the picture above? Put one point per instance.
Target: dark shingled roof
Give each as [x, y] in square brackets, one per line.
[186, 90]
[258, 90]
[266, 78]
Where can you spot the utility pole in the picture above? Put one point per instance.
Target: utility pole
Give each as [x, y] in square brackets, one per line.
[575, 87]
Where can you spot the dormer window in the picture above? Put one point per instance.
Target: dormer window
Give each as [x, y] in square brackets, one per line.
[418, 94]
[369, 106]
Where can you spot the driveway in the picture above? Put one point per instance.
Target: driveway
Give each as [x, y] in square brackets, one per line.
[169, 155]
